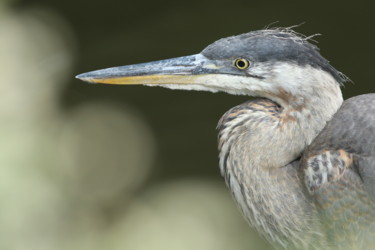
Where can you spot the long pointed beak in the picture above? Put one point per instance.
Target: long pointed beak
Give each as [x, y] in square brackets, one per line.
[181, 70]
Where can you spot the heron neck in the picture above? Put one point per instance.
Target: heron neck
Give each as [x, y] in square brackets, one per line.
[260, 142]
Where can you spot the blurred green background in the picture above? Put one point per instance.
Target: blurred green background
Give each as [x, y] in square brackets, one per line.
[131, 167]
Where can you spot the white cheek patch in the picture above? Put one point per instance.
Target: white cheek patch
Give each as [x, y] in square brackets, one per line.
[276, 79]
[232, 84]
[184, 87]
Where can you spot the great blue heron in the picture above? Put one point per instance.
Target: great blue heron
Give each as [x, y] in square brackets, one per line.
[299, 162]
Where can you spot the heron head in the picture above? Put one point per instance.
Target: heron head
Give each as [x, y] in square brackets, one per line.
[268, 63]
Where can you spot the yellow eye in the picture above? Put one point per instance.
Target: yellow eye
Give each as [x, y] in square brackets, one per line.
[241, 63]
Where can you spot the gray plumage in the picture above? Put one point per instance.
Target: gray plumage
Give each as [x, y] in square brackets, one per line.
[299, 162]
[352, 129]
[339, 213]
[342, 160]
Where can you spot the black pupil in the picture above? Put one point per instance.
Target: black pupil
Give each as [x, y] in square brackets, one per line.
[241, 64]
